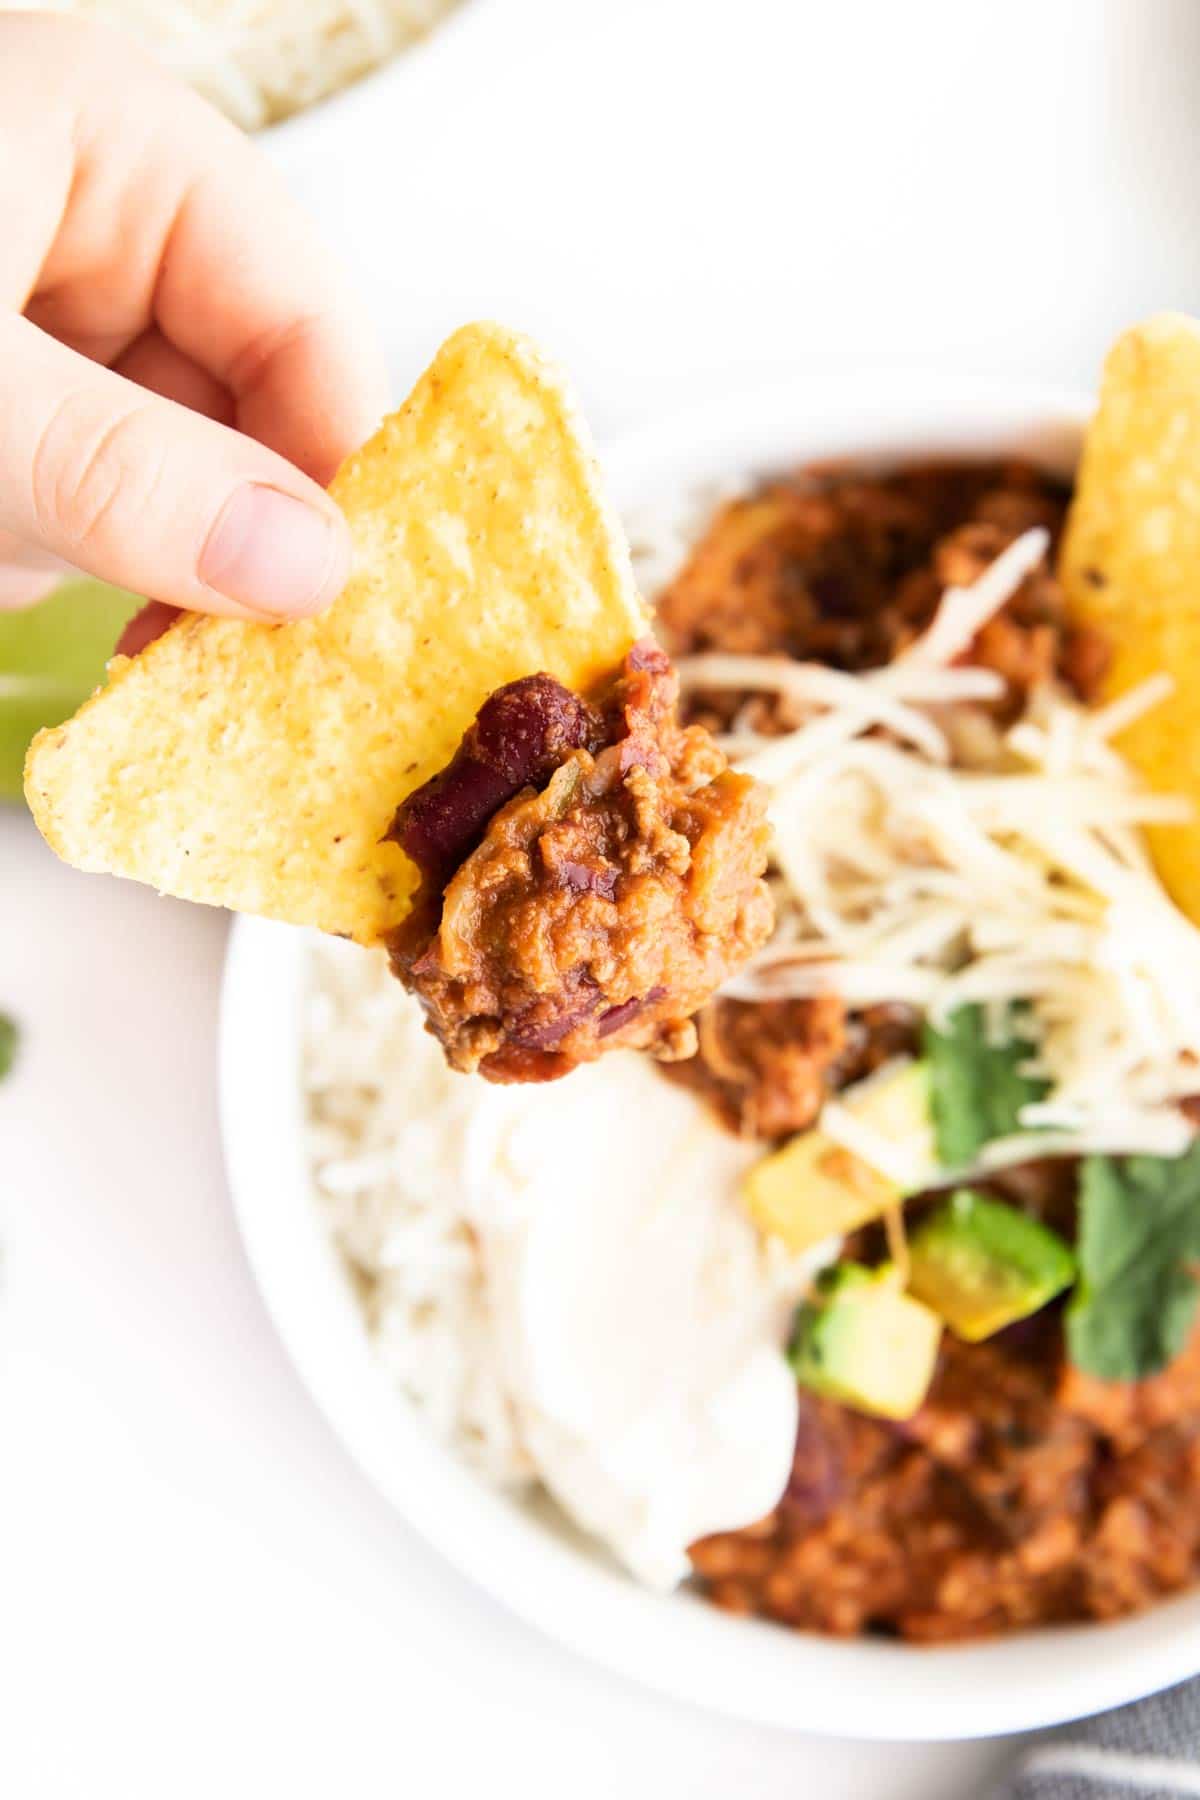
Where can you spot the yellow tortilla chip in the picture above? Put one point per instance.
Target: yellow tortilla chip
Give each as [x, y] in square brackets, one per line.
[1131, 562]
[258, 767]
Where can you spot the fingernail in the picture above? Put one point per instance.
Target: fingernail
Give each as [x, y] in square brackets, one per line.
[273, 554]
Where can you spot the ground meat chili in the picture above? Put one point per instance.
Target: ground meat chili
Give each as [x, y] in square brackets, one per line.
[1022, 1492]
[591, 872]
[846, 569]
[843, 568]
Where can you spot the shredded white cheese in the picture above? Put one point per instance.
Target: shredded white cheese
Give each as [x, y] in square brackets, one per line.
[926, 856]
[964, 611]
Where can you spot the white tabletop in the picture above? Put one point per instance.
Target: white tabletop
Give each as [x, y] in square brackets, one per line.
[198, 1594]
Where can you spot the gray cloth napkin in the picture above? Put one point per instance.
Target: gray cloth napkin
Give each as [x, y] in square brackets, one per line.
[1148, 1751]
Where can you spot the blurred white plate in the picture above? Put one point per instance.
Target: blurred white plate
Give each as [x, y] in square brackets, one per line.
[521, 1553]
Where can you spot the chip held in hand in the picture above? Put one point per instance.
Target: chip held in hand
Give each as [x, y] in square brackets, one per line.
[260, 767]
[1131, 563]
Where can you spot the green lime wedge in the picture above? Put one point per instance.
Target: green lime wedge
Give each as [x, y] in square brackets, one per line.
[51, 657]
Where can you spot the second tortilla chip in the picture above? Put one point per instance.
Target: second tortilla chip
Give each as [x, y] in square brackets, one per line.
[258, 767]
[1131, 562]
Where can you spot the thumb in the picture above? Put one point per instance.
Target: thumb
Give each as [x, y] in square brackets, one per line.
[144, 493]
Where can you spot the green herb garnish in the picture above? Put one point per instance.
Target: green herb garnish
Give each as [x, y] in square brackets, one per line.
[977, 1089]
[8, 1044]
[1139, 1251]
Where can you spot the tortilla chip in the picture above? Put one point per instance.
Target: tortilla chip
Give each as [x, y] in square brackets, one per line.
[258, 767]
[1131, 562]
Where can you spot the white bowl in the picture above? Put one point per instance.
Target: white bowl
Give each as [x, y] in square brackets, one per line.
[521, 1553]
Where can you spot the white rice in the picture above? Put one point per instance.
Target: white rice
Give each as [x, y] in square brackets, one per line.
[387, 1140]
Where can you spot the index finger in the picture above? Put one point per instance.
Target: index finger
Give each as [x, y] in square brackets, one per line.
[228, 265]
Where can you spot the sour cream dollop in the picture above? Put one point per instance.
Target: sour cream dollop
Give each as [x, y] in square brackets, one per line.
[638, 1320]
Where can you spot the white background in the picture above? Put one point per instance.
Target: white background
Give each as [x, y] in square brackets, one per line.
[198, 1596]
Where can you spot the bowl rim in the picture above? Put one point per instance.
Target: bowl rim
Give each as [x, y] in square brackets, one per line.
[676, 1644]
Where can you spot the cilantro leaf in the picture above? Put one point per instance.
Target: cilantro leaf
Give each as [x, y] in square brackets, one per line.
[8, 1044]
[1139, 1244]
[976, 1086]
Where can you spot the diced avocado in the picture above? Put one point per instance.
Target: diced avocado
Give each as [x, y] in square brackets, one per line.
[981, 1264]
[896, 1105]
[815, 1188]
[865, 1342]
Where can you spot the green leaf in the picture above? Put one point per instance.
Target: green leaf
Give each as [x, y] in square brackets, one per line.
[51, 657]
[976, 1086]
[8, 1044]
[1139, 1244]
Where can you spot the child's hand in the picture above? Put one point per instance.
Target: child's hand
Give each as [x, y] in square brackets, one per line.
[180, 366]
